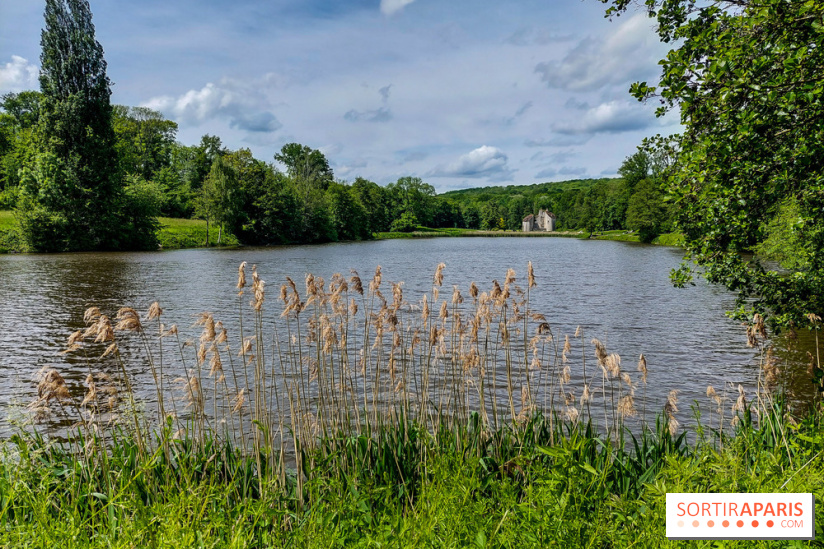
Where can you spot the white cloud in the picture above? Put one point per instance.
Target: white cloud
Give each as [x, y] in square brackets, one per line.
[388, 7]
[627, 54]
[18, 75]
[485, 161]
[610, 117]
[244, 108]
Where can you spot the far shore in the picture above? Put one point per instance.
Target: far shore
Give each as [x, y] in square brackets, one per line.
[175, 234]
[667, 239]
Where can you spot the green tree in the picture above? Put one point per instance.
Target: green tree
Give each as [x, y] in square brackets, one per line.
[519, 207]
[784, 240]
[635, 169]
[406, 223]
[647, 212]
[144, 140]
[348, 214]
[310, 174]
[138, 222]
[72, 194]
[492, 215]
[23, 107]
[471, 215]
[378, 203]
[82, 191]
[411, 195]
[447, 213]
[273, 211]
[748, 78]
[306, 166]
[220, 199]
[19, 116]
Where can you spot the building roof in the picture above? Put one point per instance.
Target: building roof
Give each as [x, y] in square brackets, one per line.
[530, 217]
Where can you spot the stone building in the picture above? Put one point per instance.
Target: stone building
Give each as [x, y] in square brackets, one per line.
[544, 221]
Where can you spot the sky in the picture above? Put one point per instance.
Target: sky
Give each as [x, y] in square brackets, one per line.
[461, 94]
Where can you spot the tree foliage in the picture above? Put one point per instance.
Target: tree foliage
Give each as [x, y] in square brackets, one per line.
[748, 78]
[144, 140]
[71, 187]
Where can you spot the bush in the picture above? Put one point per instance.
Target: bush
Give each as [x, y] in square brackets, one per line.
[406, 223]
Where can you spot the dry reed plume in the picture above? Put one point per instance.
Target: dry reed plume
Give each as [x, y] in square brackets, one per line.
[337, 359]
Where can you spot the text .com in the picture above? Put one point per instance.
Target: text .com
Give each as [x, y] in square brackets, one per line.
[740, 516]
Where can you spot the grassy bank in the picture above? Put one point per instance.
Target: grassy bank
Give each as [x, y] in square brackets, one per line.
[343, 419]
[189, 233]
[578, 490]
[173, 234]
[427, 232]
[667, 239]
[10, 240]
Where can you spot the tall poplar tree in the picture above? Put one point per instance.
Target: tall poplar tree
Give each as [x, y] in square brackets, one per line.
[72, 191]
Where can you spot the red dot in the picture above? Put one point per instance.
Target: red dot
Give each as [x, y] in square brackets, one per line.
[755, 524]
[710, 523]
[740, 523]
[770, 523]
[725, 523]
[695, 523]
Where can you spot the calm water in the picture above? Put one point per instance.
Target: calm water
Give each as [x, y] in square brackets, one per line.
[619, 292]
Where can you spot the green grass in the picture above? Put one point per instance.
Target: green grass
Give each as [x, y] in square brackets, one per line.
[189, 233]
[666, 239]
[173, 234]
[579, 491]
[619, 235]
[670, 239]
[425, 467]
[10, 240]
[7, 220]
[427, 232]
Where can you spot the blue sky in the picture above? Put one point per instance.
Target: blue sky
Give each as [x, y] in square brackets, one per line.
[461, 94]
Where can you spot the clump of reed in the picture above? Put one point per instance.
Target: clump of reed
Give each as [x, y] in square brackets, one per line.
[358, 354]
[353, 377]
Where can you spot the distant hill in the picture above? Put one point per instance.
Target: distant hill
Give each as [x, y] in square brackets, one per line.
[526, 190]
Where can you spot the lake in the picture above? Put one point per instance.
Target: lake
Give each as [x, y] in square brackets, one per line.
[617, 292]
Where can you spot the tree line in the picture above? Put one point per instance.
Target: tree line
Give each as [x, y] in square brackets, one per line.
[84, 174]
[294, 198]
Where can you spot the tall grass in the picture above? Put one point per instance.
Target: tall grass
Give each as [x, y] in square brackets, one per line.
[348, 392]
[353, 358]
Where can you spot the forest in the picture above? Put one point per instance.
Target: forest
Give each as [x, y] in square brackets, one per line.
[295, 197]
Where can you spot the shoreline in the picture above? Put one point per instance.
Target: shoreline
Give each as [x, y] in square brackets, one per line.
[667, 239]
[185, 234]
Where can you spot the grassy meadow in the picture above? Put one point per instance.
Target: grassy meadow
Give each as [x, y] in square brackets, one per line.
[351, 415]
[172, 234]
[189, 233]
[666, 239]
[10, 240]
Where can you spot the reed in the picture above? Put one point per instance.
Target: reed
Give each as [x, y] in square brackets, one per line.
[341, 387]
